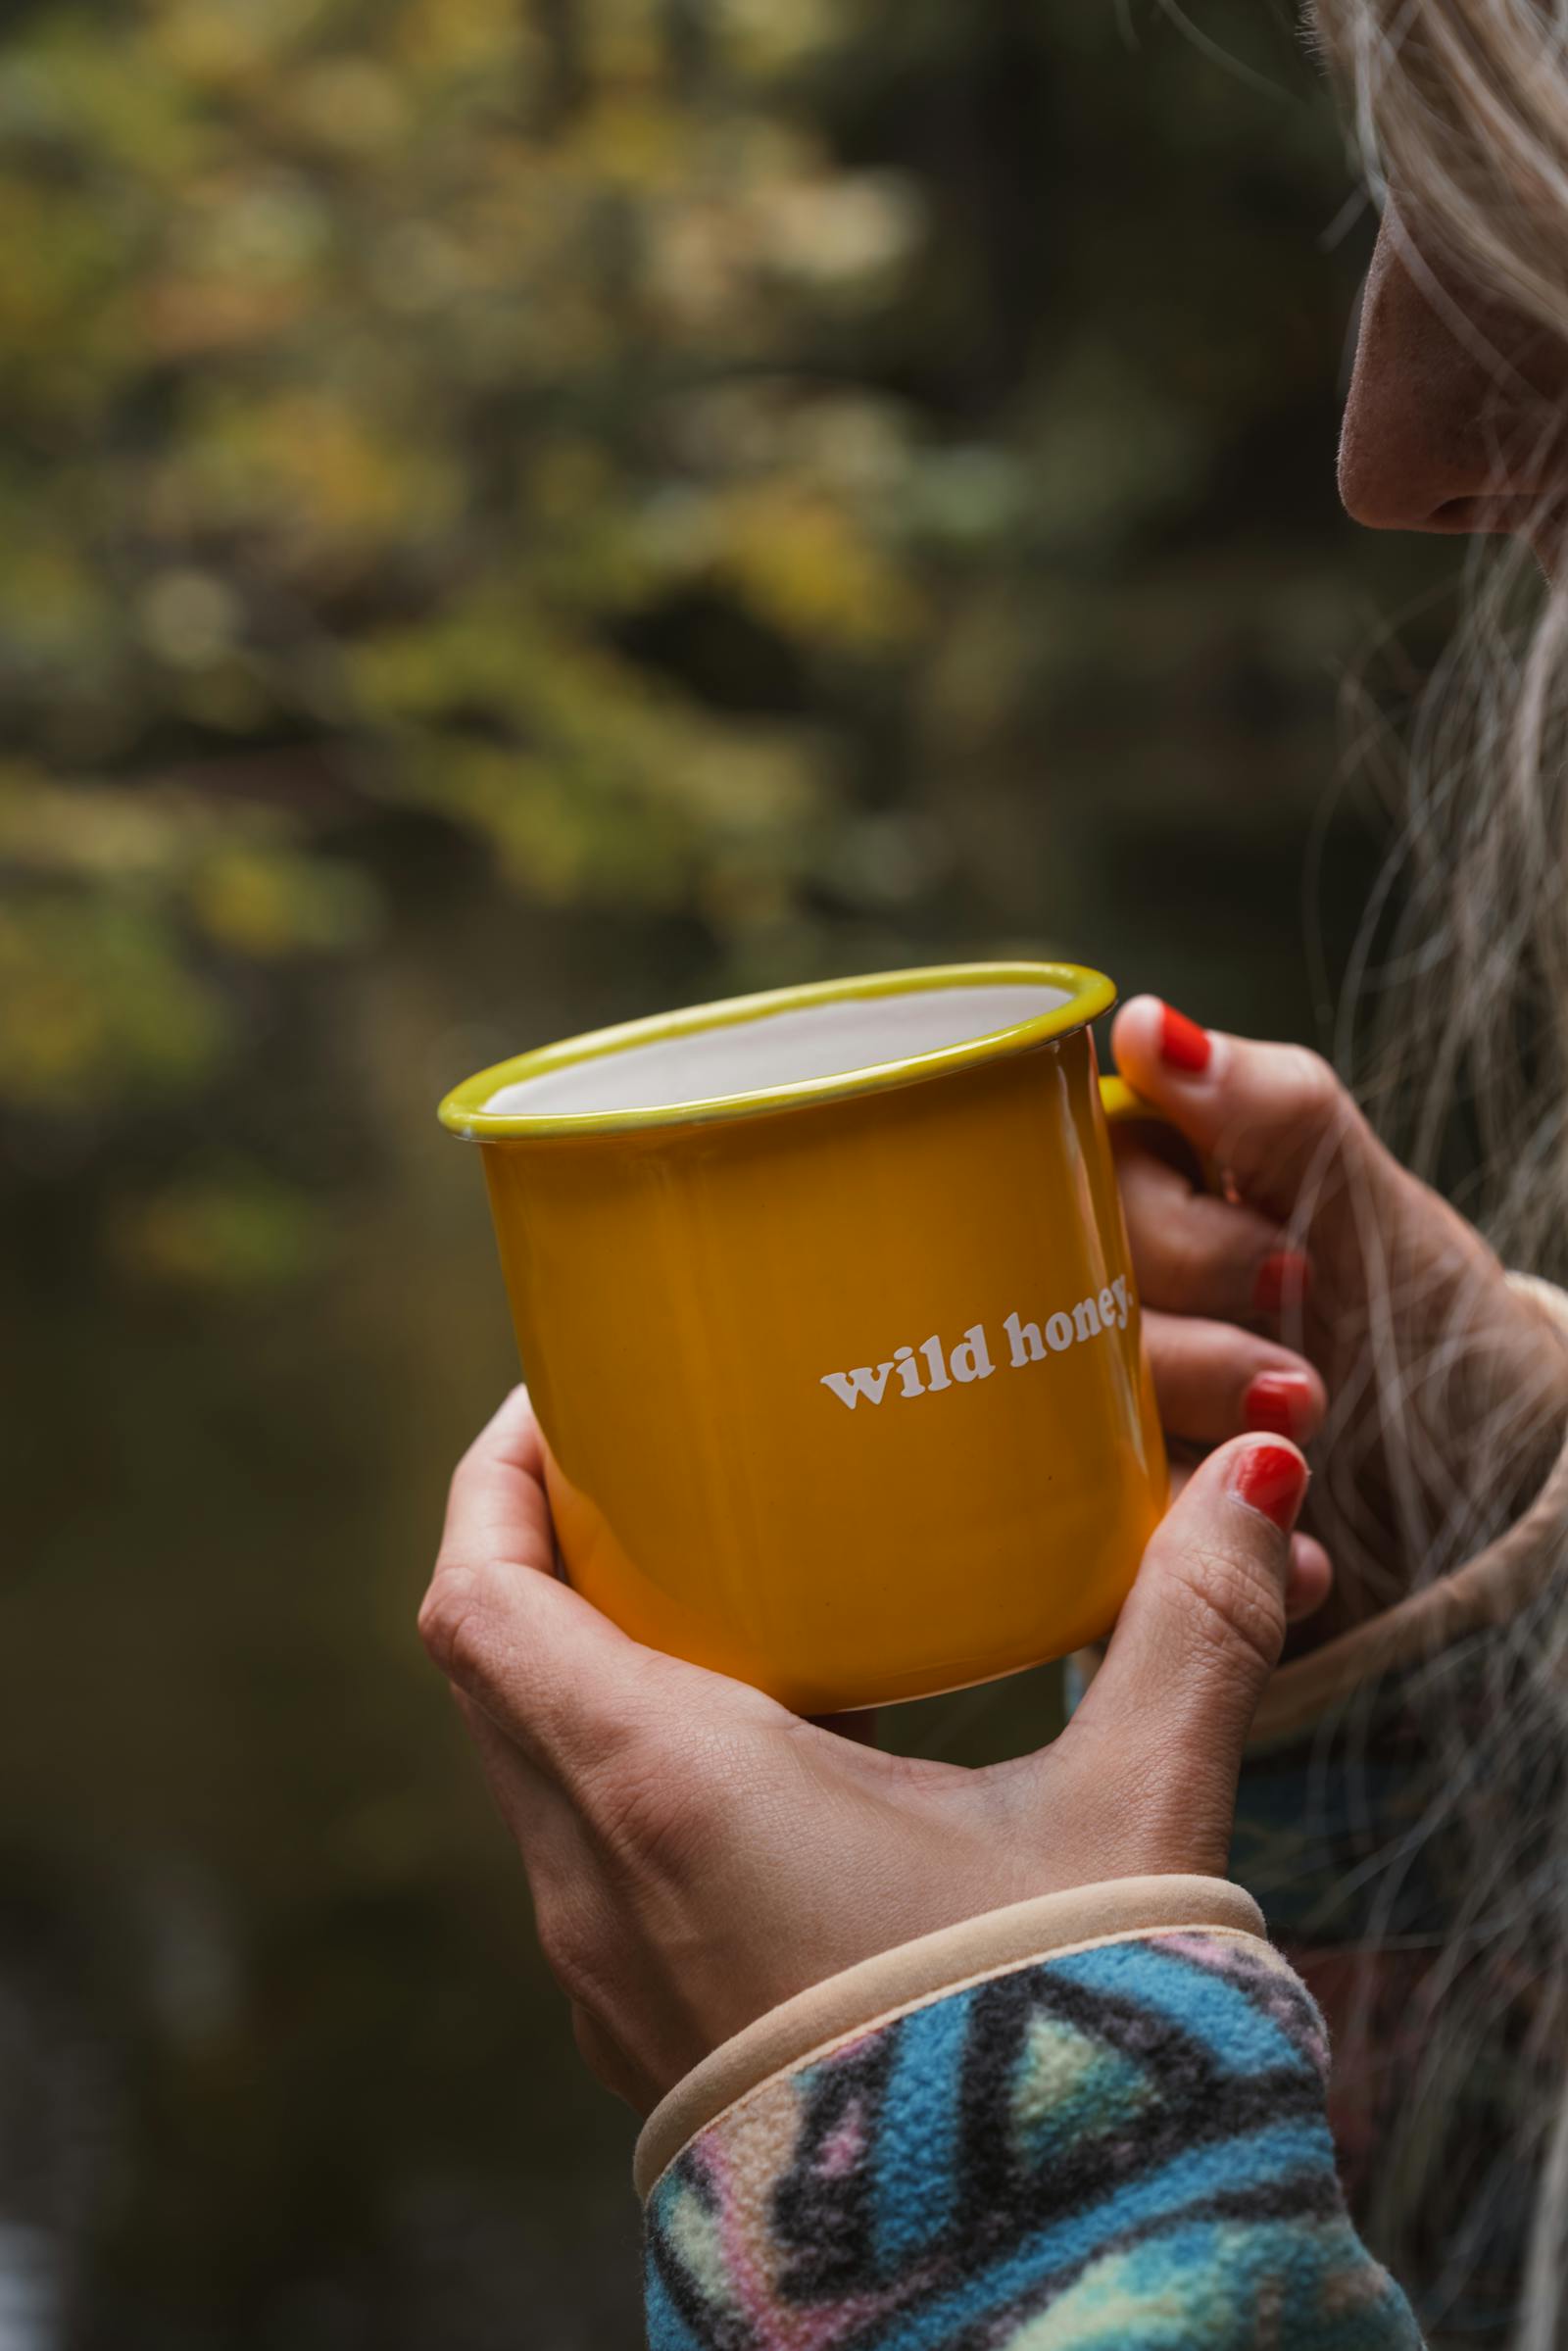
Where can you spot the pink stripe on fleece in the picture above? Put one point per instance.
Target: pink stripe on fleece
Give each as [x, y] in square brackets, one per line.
[774, 2328]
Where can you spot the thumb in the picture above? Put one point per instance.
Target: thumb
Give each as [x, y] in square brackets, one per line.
[1198, 1639]
[1275, 1116]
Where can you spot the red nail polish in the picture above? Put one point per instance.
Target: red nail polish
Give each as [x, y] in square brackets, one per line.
[1271, 1479]
[1282, 1279]
[1279, 1403]
[1181, 1043]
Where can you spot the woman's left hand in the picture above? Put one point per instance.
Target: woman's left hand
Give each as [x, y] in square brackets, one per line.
[1448, 1388]
[697, 1854]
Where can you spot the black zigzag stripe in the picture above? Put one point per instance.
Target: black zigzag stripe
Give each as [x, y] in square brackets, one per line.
[826, 2219]
[827, 2222]
[1184, 2074]
[1192, 2104]
[714, 2329]
[1303, 2196]
[988, 2187]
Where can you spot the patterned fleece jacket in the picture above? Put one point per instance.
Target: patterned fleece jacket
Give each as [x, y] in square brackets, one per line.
[1101, 2121]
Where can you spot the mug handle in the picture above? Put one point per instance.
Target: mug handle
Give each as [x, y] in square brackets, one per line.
[1123, 1107]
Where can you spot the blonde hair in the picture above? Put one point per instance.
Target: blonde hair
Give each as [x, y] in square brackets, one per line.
[1461, 105]
[1455, 1026]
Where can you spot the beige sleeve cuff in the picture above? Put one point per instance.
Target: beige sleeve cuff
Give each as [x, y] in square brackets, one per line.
[879, 1989]
[1488, 1589]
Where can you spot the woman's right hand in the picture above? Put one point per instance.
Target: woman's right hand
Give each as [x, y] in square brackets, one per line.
[1325, 1287]
[697, 1854]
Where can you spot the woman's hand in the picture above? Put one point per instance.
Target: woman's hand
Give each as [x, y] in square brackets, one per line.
[697, 1854]
[1439, 1391]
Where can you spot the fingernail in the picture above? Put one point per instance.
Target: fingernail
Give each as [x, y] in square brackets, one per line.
[1271, 1479]
[1282, 1279]
[1181, 1043]
[1279, 1404]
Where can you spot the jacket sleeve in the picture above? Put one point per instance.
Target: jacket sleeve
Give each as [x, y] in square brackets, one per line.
[1118, 2141]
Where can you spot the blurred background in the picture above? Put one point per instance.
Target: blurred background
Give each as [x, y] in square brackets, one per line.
[516, 513]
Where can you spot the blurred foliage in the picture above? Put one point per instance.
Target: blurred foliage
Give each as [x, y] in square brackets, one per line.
[365, 384]
[695, 449]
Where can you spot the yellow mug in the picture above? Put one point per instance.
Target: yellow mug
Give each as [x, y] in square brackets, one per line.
[825, 1304]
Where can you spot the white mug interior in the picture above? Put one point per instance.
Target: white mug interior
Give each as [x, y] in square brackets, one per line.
[793, 1046]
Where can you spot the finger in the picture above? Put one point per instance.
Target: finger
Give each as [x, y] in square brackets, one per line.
[1200, 1635]
[1310, 1578]
[1192, 1252]
[1275, 1115]
[563, 1685]
[1214, 1381]
[562, 1682]
[550, 1671]
[496, 1505]
[1309, 1581]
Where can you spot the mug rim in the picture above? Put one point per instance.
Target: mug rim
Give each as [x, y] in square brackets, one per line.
[462, 1113]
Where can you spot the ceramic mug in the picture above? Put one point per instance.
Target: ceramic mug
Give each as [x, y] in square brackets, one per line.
[824, 1300]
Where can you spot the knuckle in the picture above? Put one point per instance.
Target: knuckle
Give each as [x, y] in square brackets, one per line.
[666, 1797]
[458, 1620]
[1184, 1267]
[471, 1649]
[442, 1613]
[652, 1814]
[1188, 1270]
[1291, 1138]
[1236, 1607]
[1310, 1093]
